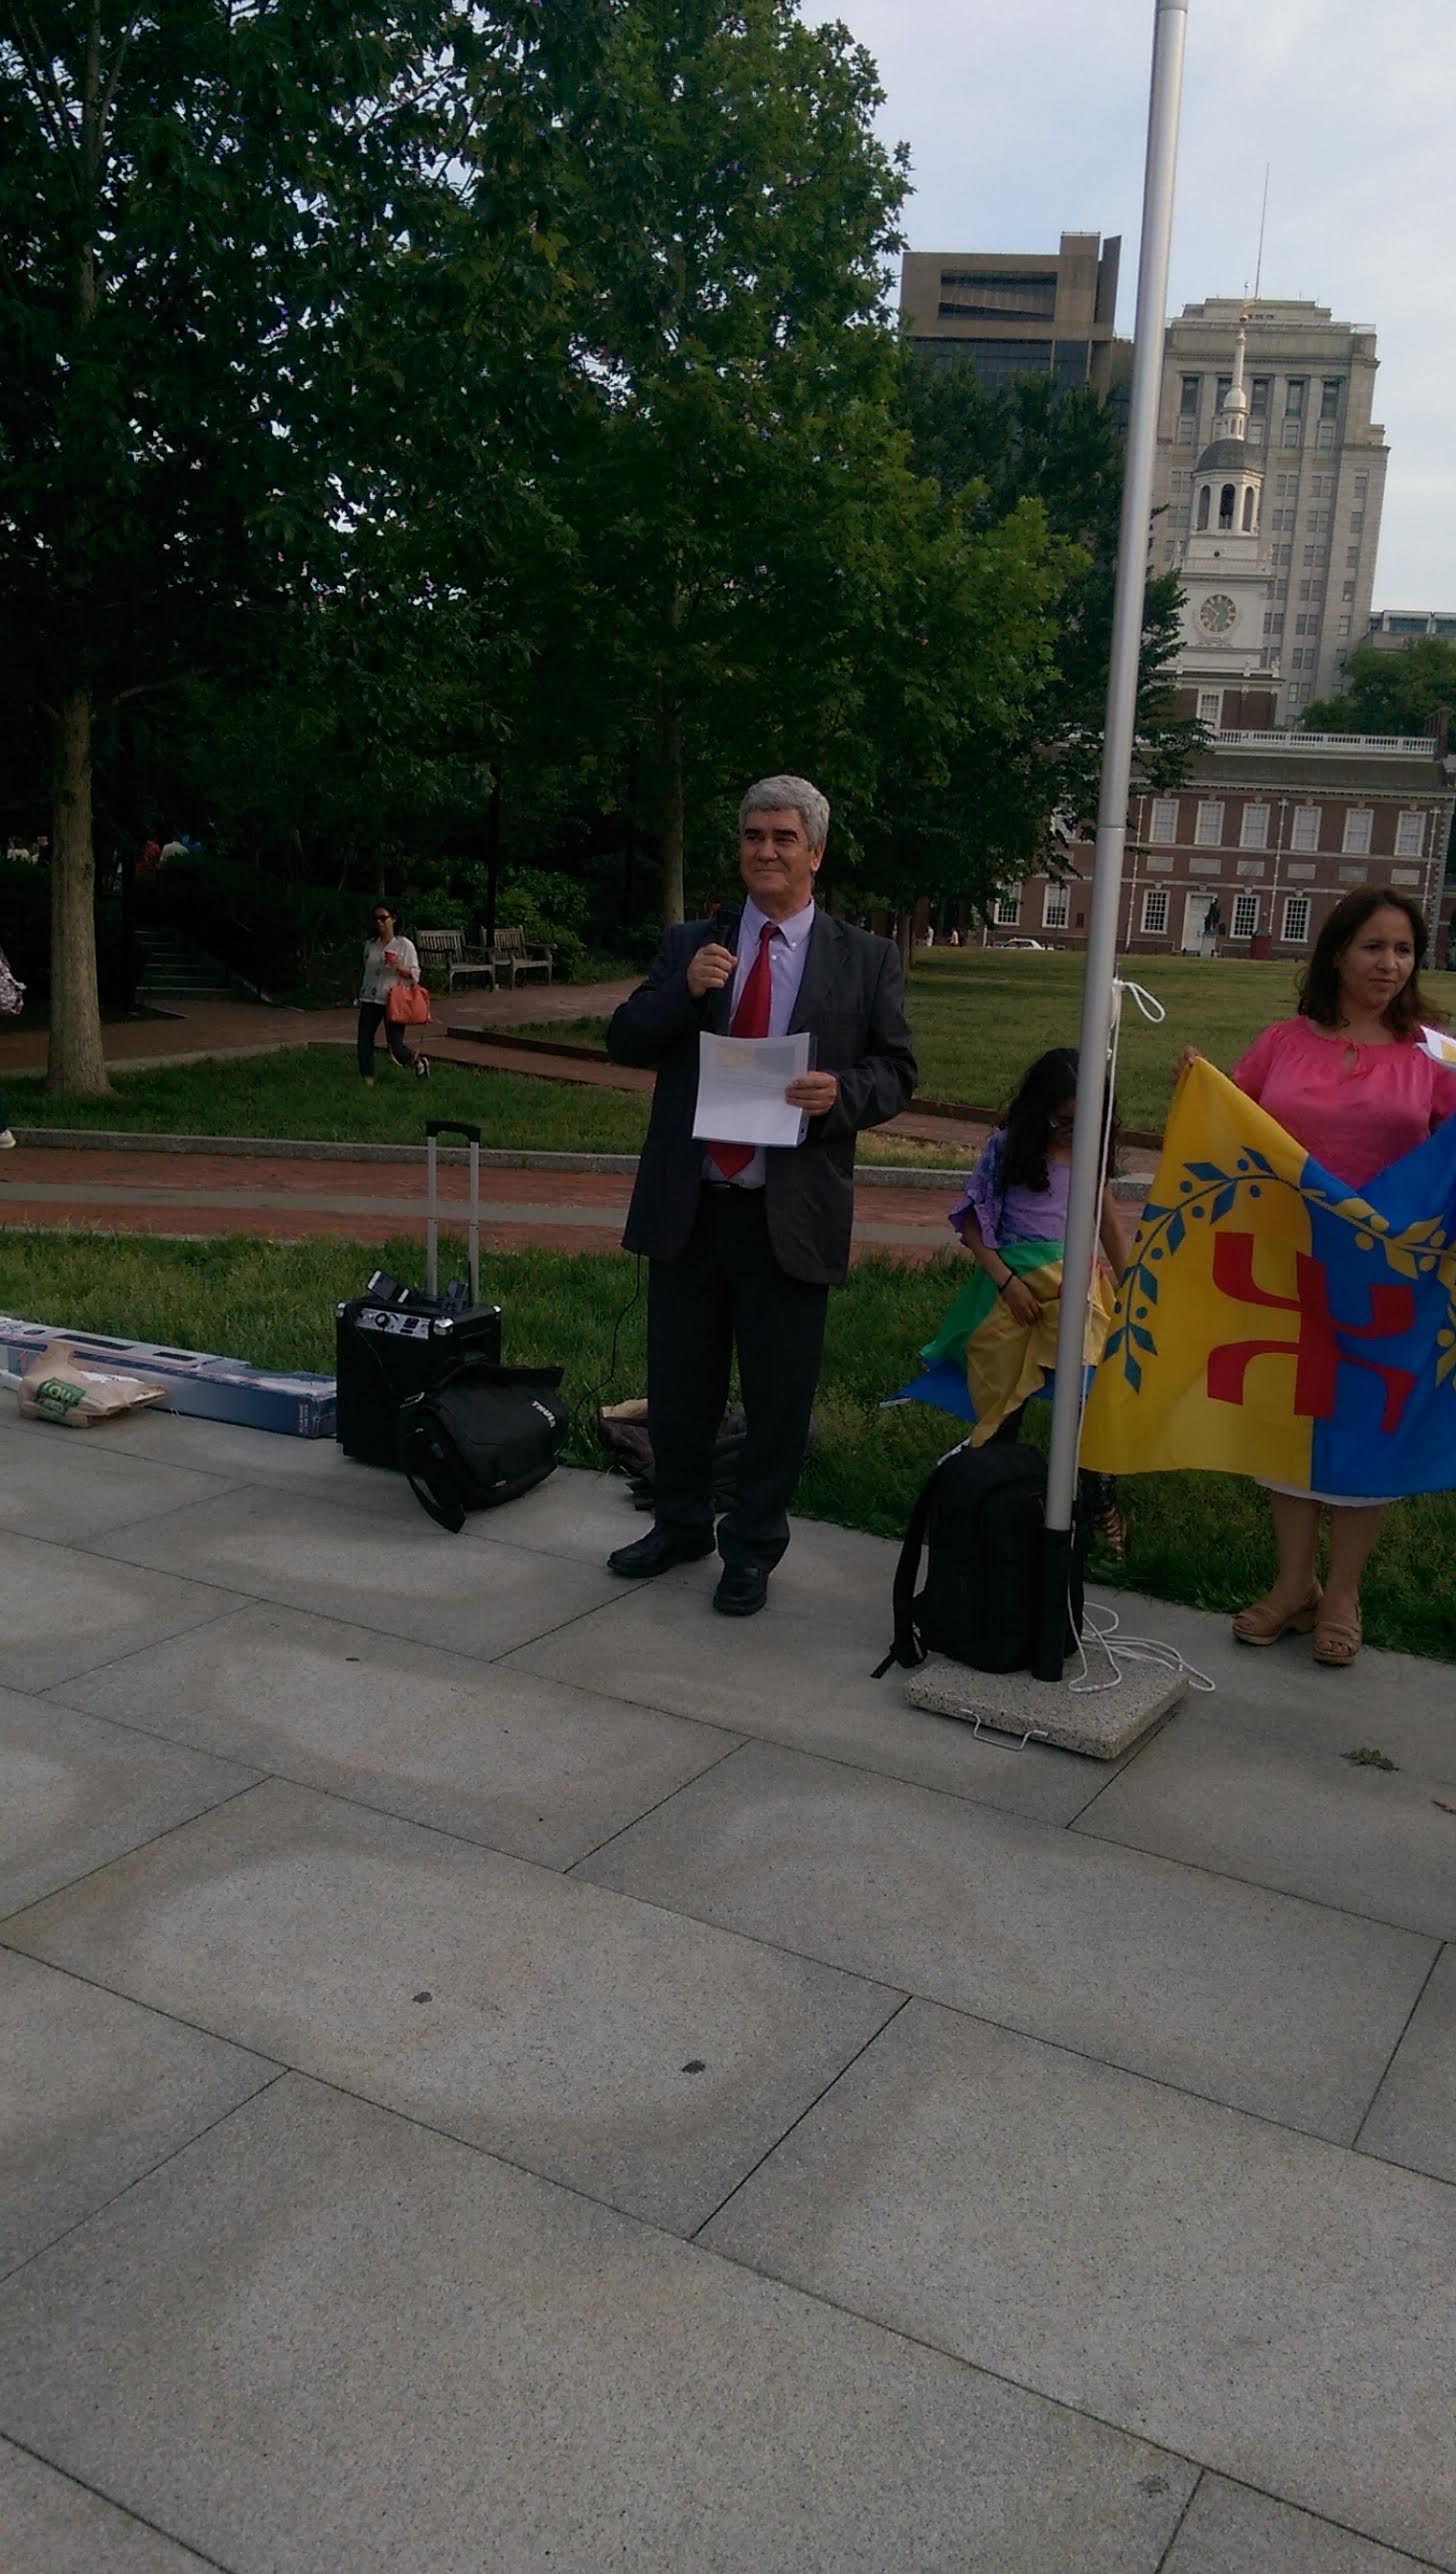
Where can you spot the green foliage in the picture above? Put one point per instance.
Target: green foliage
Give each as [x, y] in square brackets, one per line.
[1390, 692]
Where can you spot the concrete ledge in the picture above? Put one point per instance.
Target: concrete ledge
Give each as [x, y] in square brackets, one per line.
[1102, 1723]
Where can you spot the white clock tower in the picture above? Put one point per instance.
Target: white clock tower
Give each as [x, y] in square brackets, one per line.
[1228, 572]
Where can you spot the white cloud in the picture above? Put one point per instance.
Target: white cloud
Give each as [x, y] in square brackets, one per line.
[1025, 122]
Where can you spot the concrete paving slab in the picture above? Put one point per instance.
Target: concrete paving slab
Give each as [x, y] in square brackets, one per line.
[1277, 2307]
[367, 2347]
[78, 1791]
[403, 1577]
[240, 1456]
[1413, 2116]
[525, 1765]
[53, 2526]
[1104, 1722]
[47, 1492]
[1396, 1700]
[96, 2091]
[1247, 1997]
[1232, 2531]
[62, 1612]
[647, 2060]
[798, 1682]
[1368, 1841]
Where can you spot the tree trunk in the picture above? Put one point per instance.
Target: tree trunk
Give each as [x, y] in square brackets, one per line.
[670, 812]
[492, 857]
[77, 1057]
[905, 938]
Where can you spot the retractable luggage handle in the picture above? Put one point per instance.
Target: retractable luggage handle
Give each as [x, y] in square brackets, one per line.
[435, 1127]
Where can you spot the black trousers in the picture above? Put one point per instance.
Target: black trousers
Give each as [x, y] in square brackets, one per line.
[370, 1014]
[728, 1292]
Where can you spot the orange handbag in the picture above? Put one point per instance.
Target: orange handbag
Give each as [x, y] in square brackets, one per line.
[407, 1005]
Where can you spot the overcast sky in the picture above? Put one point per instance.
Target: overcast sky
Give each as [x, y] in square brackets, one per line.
[1028, 118]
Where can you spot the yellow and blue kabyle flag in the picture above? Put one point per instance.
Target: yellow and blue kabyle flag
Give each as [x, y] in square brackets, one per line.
[1273, 1323]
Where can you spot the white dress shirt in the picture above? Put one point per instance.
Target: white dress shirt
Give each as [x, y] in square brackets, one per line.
[787, 955]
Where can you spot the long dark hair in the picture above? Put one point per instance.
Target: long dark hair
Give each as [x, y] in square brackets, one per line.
[1319, 990]
[1050, 1080]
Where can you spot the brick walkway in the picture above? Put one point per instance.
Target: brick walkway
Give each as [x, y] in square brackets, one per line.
[286, 1201]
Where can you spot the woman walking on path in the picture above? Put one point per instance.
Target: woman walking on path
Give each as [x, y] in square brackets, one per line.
[389, 960]
[1350, 1081]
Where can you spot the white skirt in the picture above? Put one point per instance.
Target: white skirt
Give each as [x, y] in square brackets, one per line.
[1335, 1501]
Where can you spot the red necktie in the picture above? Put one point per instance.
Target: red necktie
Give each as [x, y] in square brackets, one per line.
[750, 1019]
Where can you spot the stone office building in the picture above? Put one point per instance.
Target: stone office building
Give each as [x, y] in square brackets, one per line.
[1010, 313]
[1308, 424]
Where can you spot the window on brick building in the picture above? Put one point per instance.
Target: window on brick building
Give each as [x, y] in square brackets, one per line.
[1155, 911]
[1410, 835]
[1246, 916]
[1306, 830]
[1254, 828]
[1163, 821]
[1208, 829]
[1056, 907]
[1007, 910]
[1356, 842]
[1295, 925]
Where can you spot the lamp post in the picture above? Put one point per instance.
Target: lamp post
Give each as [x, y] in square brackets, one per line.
[1169, 32]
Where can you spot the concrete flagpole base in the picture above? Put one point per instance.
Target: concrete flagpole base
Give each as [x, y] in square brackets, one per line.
[1014, 1707]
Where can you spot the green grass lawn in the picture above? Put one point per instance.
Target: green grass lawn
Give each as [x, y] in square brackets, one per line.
[313, 1092]
[980, 1015]
[1198, 1538]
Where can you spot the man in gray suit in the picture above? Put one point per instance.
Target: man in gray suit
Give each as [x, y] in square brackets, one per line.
[743, 1244]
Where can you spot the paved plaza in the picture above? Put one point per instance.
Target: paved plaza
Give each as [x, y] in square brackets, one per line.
[505, 2070]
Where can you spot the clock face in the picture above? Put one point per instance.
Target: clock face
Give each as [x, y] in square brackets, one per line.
[1217, 613]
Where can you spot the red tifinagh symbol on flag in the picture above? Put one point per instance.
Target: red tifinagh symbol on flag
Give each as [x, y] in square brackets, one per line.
[1319, 1350]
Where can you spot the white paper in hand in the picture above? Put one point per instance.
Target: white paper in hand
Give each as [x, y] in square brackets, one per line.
[1436, 1042]
[741, 1085]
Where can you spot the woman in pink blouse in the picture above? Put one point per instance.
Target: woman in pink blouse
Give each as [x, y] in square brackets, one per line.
[1349, 1080]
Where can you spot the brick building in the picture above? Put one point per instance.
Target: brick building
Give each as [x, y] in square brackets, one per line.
[1270, 830]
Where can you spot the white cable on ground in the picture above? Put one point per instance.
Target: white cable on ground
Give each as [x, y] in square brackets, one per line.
[1130, 1648]
[1126, 1649]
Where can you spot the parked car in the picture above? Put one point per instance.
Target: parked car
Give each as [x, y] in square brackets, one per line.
[1038, 943]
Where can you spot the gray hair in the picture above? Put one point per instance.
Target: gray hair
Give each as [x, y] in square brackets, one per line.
[790, 795]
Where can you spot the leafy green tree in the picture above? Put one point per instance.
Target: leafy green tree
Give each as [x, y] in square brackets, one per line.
[1390, 692]
[208, 206]
[733, 212]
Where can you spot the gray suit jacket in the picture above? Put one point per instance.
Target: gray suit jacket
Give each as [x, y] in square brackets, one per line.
[851, 1001]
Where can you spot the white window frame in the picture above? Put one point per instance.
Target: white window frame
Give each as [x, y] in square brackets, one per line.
[1304, 831]
[1056, 904]
[1208, 825]
[1210, 707]
[1163, 820]
[1245, 922]
[1294, 928]
[1155, 901]
[1006, 910]
[1254, 827]
[1356, 840]
[1410, 835]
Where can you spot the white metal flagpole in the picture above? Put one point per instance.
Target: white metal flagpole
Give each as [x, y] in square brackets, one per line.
[1119, 725]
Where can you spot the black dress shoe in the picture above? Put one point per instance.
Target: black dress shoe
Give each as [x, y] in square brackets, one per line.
[742, 1590]
[657, 1552]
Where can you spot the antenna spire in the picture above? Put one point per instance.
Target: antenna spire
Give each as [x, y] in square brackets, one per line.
[1263, 212]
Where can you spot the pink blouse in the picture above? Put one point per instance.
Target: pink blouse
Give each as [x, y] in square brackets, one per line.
[1355, 1118]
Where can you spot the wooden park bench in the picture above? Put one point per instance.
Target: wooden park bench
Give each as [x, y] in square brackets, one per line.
[447, 949]
[512, 956]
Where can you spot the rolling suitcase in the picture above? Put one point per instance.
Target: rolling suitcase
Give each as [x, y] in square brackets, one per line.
[394, 1342]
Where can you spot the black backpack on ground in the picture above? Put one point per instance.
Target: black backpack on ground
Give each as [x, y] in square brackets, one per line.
[982, 1515]
[485, 1435]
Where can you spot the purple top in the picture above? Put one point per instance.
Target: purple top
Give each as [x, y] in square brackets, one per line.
[1016, 1214]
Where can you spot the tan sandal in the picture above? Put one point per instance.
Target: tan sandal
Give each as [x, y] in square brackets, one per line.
[1262, 1625]
[1337, 1641]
